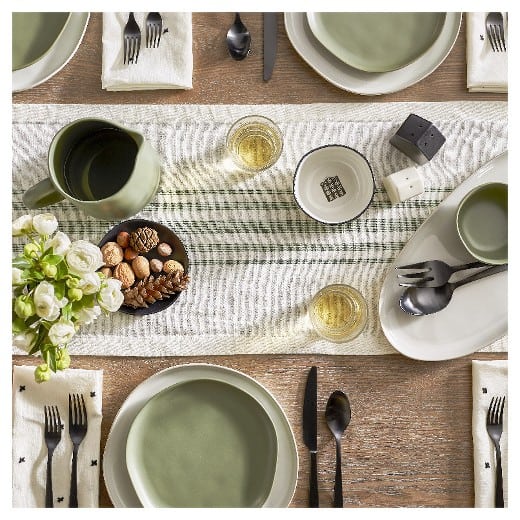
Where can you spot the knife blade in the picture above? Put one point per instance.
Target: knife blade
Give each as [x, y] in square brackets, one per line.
[310, 432]
[270, 36]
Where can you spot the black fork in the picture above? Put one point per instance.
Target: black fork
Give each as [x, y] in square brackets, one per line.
[52, 436]
[77, 430]
[131, 40]
[494, 425]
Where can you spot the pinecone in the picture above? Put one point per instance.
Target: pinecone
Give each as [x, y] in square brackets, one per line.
[153, 288]
[143, 239]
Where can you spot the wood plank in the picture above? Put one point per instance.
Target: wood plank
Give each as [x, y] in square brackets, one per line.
[219, 79]
[409, 442]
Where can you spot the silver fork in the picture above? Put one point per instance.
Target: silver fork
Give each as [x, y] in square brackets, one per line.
[131, 40]
[432, 273]
[153, 30]
[77, 430]
[495, 32]
[52, 436]
[494, 425]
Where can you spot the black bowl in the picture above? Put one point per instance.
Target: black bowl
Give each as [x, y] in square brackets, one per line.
[165, 235]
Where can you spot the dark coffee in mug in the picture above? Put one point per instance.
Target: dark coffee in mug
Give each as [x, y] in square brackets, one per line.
[99, 164]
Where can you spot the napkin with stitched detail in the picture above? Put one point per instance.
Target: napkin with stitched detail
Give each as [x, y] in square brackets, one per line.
[489, 379]
[29, 452]
[486, 70]
[169, 66]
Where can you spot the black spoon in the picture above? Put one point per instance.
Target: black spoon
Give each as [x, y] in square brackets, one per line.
[337, 414]
[421, 301]
[238, 39]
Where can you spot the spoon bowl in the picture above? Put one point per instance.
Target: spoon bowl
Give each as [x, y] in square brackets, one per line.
[238, 39]
[337, 415]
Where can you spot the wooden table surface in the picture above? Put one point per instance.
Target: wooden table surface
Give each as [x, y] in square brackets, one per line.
[409, 442]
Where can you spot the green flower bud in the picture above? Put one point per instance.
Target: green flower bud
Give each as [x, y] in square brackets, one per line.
[42, 373]
[62, 359]
[24, 307]
[31, 250]
[72, 282]
[49, 270]
[75, 295]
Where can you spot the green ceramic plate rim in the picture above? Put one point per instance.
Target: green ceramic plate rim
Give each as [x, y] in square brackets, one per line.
[46, 51]
[335, 48]
[461, 233]
[139, 487]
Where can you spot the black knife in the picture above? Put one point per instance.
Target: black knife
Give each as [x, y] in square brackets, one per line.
[270, 35]
[310, 432]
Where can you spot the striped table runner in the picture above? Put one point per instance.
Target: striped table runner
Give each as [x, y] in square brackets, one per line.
[256, 259]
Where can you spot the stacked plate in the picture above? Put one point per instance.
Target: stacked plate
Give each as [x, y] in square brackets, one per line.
[42, 44]
[373, 53]
[200, 435]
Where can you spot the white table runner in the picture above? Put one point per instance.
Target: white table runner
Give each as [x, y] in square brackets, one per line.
[256, 259]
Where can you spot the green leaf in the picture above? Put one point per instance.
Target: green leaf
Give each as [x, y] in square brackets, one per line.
[62, 271]
[66, 312]
[19, 324]
[52, 259]
[59, 290]
[21, 262]
[36, 275]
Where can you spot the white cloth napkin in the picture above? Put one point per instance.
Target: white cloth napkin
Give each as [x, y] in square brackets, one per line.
[489, 379]
[28, 447]
[486, 70]
[169, 66]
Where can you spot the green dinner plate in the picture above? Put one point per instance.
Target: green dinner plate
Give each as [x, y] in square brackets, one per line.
[202, 443]
[33, 35]
[377, 42]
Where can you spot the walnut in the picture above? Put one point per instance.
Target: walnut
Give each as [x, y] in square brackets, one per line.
[156, 265]
[107, 272]
[141, 267]
[112, 254]
[164, 249]
[123, 239]
[123, 272]
[171, 266]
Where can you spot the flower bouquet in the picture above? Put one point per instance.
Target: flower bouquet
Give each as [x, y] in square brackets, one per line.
[56, 289]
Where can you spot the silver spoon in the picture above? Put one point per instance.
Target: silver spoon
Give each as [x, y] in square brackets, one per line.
[238, 39]
[421, 301]
[337, 415]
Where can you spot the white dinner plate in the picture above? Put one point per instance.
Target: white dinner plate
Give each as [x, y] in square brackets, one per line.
[56, 58]
[477, 313]
[368, 83]
[115, 472]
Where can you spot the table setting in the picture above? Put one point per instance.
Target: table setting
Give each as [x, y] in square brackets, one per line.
[254, 300]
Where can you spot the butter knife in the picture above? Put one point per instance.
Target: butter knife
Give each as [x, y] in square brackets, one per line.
[310, 432]
[270, 36]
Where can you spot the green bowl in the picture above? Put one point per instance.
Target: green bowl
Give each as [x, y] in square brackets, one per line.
[482, 222]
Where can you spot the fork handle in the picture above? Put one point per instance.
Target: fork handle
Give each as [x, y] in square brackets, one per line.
[499, 491]
[73, 498]
[49, 499]
[471, 265]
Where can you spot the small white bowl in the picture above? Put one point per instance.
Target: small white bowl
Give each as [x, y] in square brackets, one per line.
[333, 184]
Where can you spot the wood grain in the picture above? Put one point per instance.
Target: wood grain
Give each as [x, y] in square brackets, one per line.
[409, 442]
[219, 79]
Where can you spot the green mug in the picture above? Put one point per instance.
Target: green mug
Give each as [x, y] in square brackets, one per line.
[104, 169]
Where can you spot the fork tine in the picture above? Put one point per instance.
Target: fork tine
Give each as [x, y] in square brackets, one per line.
[496, 39]
[58, 418]
[159, 34]
[138, 46]
[84, 411]
[490, 411]
[501, 411]
[491, 38]
[420, 275]
[418, 265]
[502, 37]
[46, 411]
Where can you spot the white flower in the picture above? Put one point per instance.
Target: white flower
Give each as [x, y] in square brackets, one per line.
[24, 340]
[87, 315]
[45, 223]
[90, 283]
[60, 243]
[84, 257]
[110, 297]
[47, 305]
[17, 276]
[61, 333]
[22, 225]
